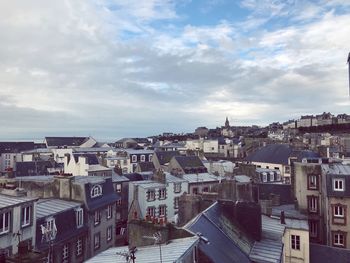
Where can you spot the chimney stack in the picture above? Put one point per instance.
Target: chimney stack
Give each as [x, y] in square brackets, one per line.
[283, 218]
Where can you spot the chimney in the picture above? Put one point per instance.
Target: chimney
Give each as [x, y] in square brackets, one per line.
[283, 218]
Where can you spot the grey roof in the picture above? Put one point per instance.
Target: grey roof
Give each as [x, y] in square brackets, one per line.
[278, 154]
[41, 178]
[119, 178]
[134, 176]
[189, 161]
[221, 248]
[8, 201]
[141, 151]
[242, 178]
[297, 224]
[91, 158]
[171, 252]
[81, 179]
[289, 212]
[146, 166]
[272, 228]
[65, 141]
[47, 207]
[201, 178]
[91, 149]
[327, 254]
[340, 171]
[15, 147]
[165, 157]
[266, 251]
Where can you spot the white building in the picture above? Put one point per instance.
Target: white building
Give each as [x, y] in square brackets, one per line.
[207, 146]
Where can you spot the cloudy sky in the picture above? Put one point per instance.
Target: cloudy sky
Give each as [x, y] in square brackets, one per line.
[115, 68]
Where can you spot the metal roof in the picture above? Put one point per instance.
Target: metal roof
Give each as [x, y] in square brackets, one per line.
[297, 224]
[97, 168]
[7, 201]
[242, 179]
[266, 251]
[133, 151]
[272, 228]
[201, 178]
[171, 252]
[47, 207]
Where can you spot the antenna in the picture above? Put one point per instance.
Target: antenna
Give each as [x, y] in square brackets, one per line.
[128, 255]
[157, 237]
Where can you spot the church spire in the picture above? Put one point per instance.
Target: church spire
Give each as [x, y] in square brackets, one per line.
[227, 123]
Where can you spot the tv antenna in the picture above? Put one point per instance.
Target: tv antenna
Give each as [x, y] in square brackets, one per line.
[157, 237]
[128, 255]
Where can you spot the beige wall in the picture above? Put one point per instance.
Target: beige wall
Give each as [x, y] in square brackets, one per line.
[296, 256]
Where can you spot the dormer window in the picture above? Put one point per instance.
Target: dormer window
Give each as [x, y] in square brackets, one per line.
[79, 215]
[143, 158]
[134, 158]
[338, 184]
[96, 191]
[150, 158]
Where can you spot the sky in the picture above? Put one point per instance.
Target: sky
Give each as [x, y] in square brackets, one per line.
[126, 68]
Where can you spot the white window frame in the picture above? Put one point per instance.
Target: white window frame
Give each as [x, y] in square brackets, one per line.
[118, 188]
[264, 177]
[151, 211]
[312, 181]
[162, 193]
[151, 195]
[313, 204]
[150, 157]
[134, 158]
[97, 241]
[96, 191]
[176, 202]
[97, 217]
[79, 217]
[109, 211]
[338, 211]
[79, 245]
[65, 253]
[337, 186]
[26, 216]
[6, 218]
[313, 226]
[177, 187]
[109, 233]
[337, 238]
[143, 158]
[295, 242]
[118, 216]
[162, 209]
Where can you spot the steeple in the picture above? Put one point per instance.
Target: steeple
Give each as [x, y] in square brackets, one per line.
[227, 123]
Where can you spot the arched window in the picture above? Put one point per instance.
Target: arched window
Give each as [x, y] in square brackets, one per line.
[96, 190]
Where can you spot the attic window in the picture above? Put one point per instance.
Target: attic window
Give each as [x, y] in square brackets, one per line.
[96, 191]
[338, 184]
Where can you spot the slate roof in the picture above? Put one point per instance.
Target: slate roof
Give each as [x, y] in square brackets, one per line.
[331, 192]
[33, 168]
[327, 254]
[16, 147]
[278, 154]
[171, 252]
[146, 166]
[165, 156]
[91, 158]
[46, 207]
[65, 141]
[221, 248]
[134, 176]
[189, 162]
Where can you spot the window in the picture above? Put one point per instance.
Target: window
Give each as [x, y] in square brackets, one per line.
[97, 239]
[312, 182]
[287, 169]
[312, 204]
[295, 242]
[143, 158]
[97, 217]
[162, 210]
[119, 202]
[151, 195]
[79, 246]
[195, 191]
[264, 177]
[65, 253]
[118, 215]
[177, 187]
[176, 202]
[338, 210]
[5, 222]
[109, 233]
[96, 191]
[151, 211]
[79, 217]
[339, 239]
[150, 158]
[26, 216]
[162, 193]
[119, 188]
[338, 185]
[313, 227]
[109, 211]
[134, 158]
[205, 189]
[120, 231]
